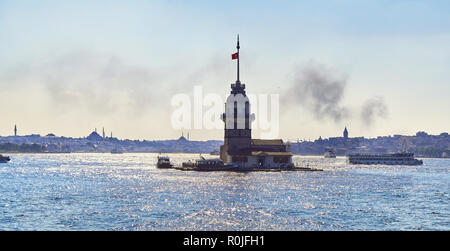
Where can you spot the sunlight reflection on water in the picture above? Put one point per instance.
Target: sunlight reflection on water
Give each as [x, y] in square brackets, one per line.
[127, 192]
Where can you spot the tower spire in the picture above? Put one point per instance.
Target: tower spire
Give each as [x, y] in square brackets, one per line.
[237, 87]
[238, 47]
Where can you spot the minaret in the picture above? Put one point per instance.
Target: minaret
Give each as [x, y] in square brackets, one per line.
[15, 130]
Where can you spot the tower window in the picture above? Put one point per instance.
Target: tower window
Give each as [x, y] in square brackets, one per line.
[235, 115]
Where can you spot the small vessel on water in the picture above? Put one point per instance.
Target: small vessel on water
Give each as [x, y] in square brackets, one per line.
[164, 162]
[215, 152]
[203, 164]
[329, 154]
[116, 151]
[403, 158]
[4, 159]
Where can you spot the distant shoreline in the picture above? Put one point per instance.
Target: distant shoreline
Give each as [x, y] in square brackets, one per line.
[423, 145]
[56, 153]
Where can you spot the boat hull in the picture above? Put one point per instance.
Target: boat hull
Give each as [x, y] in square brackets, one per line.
[400, 163]
[384, 159]
[164, 166]
[4, 159]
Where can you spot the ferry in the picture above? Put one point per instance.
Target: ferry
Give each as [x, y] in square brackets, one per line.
[4, 159]
[163, 162]
[206, 165]
[403, 158]
[329, 154]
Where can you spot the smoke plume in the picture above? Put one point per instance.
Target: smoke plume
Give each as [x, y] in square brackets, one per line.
[320, 91]
[105, 84]
[373, 108]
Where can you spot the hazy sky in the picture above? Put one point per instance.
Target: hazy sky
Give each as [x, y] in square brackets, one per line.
[377, 67]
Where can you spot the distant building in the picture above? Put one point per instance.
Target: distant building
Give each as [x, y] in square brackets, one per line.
[94, 136]
[182, 138]
[345, 133]
[15, 130]
[421, 134]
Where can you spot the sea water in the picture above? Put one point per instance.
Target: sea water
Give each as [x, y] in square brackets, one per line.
[98, 191]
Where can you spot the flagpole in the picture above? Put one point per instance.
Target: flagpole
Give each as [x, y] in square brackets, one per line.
[238, 47]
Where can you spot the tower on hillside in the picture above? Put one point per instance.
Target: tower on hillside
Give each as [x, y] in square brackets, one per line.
[15, 130]
[345, 133]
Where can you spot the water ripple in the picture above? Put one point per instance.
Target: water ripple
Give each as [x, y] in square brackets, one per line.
[127, 192]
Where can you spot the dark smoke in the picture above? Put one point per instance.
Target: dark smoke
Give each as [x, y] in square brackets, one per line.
[101, 84]
[373, 108]
[320, 91]
[104, 84]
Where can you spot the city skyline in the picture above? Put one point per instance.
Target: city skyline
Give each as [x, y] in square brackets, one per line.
[379, 67]
[186, 135]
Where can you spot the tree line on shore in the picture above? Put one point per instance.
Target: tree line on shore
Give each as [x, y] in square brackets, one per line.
[21, 148]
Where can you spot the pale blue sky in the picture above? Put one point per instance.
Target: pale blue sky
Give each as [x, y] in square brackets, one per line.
[70, 66]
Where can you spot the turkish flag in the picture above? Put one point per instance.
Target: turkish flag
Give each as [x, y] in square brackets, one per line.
[235, 56]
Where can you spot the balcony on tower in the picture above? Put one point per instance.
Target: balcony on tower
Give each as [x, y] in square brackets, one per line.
[241, 85]
[238, 88]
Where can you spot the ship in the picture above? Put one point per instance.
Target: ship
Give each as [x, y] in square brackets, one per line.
[163, 162]
[203, 164]
[116, 151]
[329, 154]
[215, 152]
[403, 158]
[4, 159]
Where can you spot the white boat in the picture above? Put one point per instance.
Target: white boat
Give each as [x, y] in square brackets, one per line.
[403, 158]
[329, 154]
[163, 162]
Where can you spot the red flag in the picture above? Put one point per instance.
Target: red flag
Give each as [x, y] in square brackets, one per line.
[235, 56]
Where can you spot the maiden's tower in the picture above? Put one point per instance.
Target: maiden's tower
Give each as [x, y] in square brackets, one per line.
[240, 152]
[239, 149]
